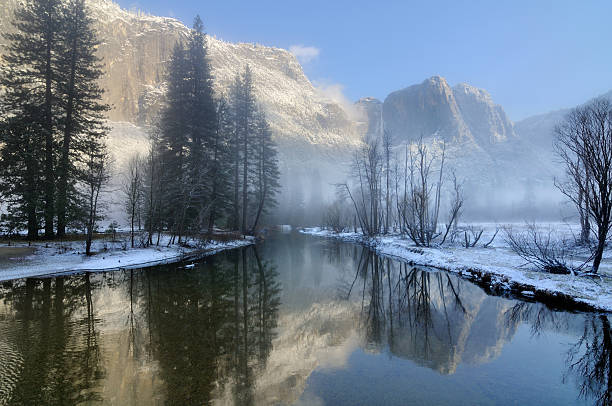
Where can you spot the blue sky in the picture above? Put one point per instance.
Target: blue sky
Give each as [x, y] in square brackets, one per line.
[532, 56]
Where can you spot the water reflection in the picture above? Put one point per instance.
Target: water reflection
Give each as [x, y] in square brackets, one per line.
[51, 352]
[432, 318]
[203, 335]
[589, 359]
[254, 326]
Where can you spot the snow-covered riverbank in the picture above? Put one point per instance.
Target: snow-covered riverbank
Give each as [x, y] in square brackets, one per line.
[43, 259]
[496, 268]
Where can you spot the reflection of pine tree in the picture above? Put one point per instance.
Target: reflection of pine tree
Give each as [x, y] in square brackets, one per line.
[58, 342]
[211, 327]
[268, 301]
[188, 317]
[256, 302]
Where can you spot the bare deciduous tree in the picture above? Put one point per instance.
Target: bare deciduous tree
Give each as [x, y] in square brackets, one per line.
[132, 189]
[419, 209]
[95, 174]
[541, 249]
[455, 208]
[584, 144]
[367, 174]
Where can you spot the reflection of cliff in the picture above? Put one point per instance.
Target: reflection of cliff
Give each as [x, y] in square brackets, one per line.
[162, 338]
[322, 336]
[218, 334]
[433, 318]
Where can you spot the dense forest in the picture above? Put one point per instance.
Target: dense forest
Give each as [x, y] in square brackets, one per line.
[211, 164]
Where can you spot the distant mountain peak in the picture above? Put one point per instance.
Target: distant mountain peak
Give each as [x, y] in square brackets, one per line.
[459, 113]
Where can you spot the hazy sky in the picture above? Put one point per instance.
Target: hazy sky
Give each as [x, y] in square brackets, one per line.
[532, 56]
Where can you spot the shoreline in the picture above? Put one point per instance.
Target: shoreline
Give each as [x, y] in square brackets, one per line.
[584, 294]
[38, 265]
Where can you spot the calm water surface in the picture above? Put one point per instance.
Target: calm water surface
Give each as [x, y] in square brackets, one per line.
[296, 320]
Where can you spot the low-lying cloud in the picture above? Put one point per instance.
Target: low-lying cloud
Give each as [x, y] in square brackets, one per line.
[335, 92]
[304, 54]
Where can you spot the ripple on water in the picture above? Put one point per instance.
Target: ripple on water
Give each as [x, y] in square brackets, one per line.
[11, 365]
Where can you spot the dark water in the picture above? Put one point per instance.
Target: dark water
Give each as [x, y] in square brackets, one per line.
[297, 320]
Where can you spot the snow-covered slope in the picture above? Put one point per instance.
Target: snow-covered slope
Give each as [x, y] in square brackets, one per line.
[539, 129]
[135, 48]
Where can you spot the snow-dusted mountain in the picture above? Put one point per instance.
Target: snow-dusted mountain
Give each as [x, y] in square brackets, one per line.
[500, 169]
[434, 108]
[539, 129]
[502, 162]
[135, 48]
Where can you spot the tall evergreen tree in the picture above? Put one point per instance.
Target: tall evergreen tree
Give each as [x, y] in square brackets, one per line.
[265, 171]
[245, 121]
[202, 123]
[203, 117]
[79, 69]
[220, 174]
[31, 63]
[20, 165]
[235, 153]
[174, 138]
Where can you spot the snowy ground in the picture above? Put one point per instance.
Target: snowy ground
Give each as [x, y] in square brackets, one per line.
[65, 257]
[506, 270]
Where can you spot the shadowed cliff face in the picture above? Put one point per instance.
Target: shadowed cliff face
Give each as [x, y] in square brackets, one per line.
[486, 120]
[427, 109]
[433, 108]
[135, 49]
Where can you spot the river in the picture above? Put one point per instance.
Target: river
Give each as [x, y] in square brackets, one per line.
[295, 320]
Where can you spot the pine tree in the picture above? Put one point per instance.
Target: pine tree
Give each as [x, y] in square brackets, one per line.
[174, 138]
[202, 123]
[265, 172]
[30, 66]
[244, 111]
[203, 117]
[220, 174]
[235, 153]
[79, 70]
[20, 174]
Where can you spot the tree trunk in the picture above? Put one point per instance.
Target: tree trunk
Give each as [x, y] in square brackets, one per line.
[601, 245]
[132, 225]
[245, 168]
[49, 176]
[62, 192]
[236, 187]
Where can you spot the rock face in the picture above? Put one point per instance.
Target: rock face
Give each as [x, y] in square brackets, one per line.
[135, 50]
[371, 111]
[486, 121]
[427, 109]
[433, 108]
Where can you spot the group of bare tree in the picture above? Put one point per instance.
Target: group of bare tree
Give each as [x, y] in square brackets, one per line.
[583, 143]
[393, 192]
